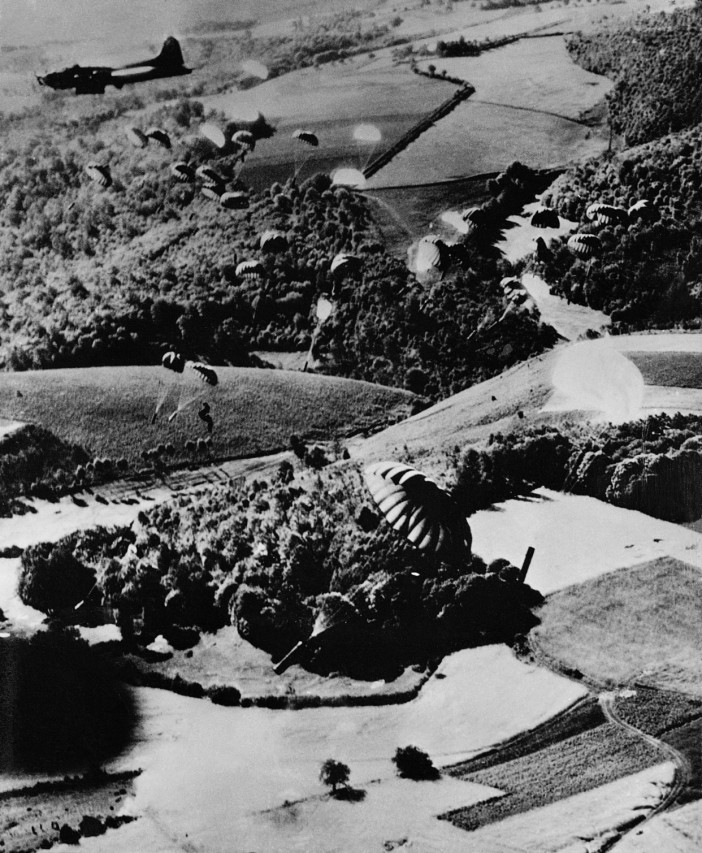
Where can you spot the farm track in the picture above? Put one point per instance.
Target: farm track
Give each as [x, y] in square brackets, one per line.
[607, 703]
[533, 110]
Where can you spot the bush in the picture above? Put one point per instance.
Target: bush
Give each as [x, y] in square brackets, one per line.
[413, 763]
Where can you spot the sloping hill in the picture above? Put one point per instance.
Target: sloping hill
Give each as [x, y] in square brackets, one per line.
[108, 410]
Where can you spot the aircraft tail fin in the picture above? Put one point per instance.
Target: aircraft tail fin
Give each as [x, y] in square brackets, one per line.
[171, 54]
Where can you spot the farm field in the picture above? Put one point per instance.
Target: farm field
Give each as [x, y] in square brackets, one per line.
[679, 830]
[108, 410]
[618, 628]
[670, 369]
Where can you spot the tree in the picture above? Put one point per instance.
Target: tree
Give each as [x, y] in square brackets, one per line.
[413, 763]
[334, 773]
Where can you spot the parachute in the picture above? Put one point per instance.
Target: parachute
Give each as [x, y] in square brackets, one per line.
[348, 177]
[606, 214]
[250, 270]
[474, 217]
[136, 136]
[99, 174]
[545, 217]
[208, 175]
[335, 610]
[367, 133]
[639, 209]
[160, 136]
[431, 255]
[234, 200]
[212, 191]
[255, 69]
[214, 134]
[273, 241]
[245, 139]
[343, 265]
[594, 376]
[173, 361]
[584, 245]
[182, 172]
[324, 309]
[306, 136]
[203, 372]
[419, 509]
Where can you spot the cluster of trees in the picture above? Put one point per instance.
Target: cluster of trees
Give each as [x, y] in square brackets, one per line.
[33, 461]
[263, 556]
[649, 271]
[656, 63]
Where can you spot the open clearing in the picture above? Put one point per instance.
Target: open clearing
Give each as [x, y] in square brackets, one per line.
[670, 369]
[639, 624]
[108, 410]
[678, 831]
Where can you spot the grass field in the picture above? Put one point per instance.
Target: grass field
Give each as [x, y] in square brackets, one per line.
[108, 410]
[640, 623]
[579, 763]
[679, 830]
[676, 369]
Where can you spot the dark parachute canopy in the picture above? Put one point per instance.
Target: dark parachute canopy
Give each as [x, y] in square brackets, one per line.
[136, 136]
[545, 217]
[606, 214]
[203, 372]
[234, 200]
[344, 264]
[306, 136]
[182, 172]
[99, 173]
[419, 509]
[639, 210]
[208, 175]
[159, 135]
[584, 245]
[212, 191]
[273, 241]
[173, 361]
[245, 139]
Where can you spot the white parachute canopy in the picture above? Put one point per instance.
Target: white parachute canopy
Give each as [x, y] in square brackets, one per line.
[324, 309]
[347, 177]
[214, 134]
[368, 133]
[254, 68]
[594, 376]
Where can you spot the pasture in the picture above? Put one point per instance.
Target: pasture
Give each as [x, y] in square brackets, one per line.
[108, 410]
[639, 624]
[669, 369]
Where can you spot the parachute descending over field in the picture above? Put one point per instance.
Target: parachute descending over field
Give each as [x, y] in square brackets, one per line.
[368, 133]
[545, 217]
[175, 363]
[306, 136]
[594, 376]
[419, 509]
[182, 172]
[204, 380]
[99, 174]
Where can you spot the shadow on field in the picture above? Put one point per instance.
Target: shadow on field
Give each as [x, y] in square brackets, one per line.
[62, 708]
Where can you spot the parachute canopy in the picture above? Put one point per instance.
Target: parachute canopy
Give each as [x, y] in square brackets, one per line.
[255, 69]
[273, 241]
[344, 264]
[234, 200]
[136, 136]
[306, 136]
[584, 245]
[208, 175]
[336, 609]
[639, 209]
[367, 133]
[419, 509]
[245, 139]
[250, 270]
[212, 191]
[594, 376]
[182, 172]
[99, 174]
[606, 214]
[214, 134]
[324, 309]
[203, 372]
[160, 136]
[347, 177]
[545, 217]
[173, 361]
[431, 255]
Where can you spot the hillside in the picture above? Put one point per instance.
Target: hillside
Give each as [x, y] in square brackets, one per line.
[108, 410]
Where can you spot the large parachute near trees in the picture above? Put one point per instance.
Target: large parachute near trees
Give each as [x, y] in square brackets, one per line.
[585, 245]
[203, 372]
[545, 217]
[606, 214]
[419, 509]
[160, 136]
[99, 174]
